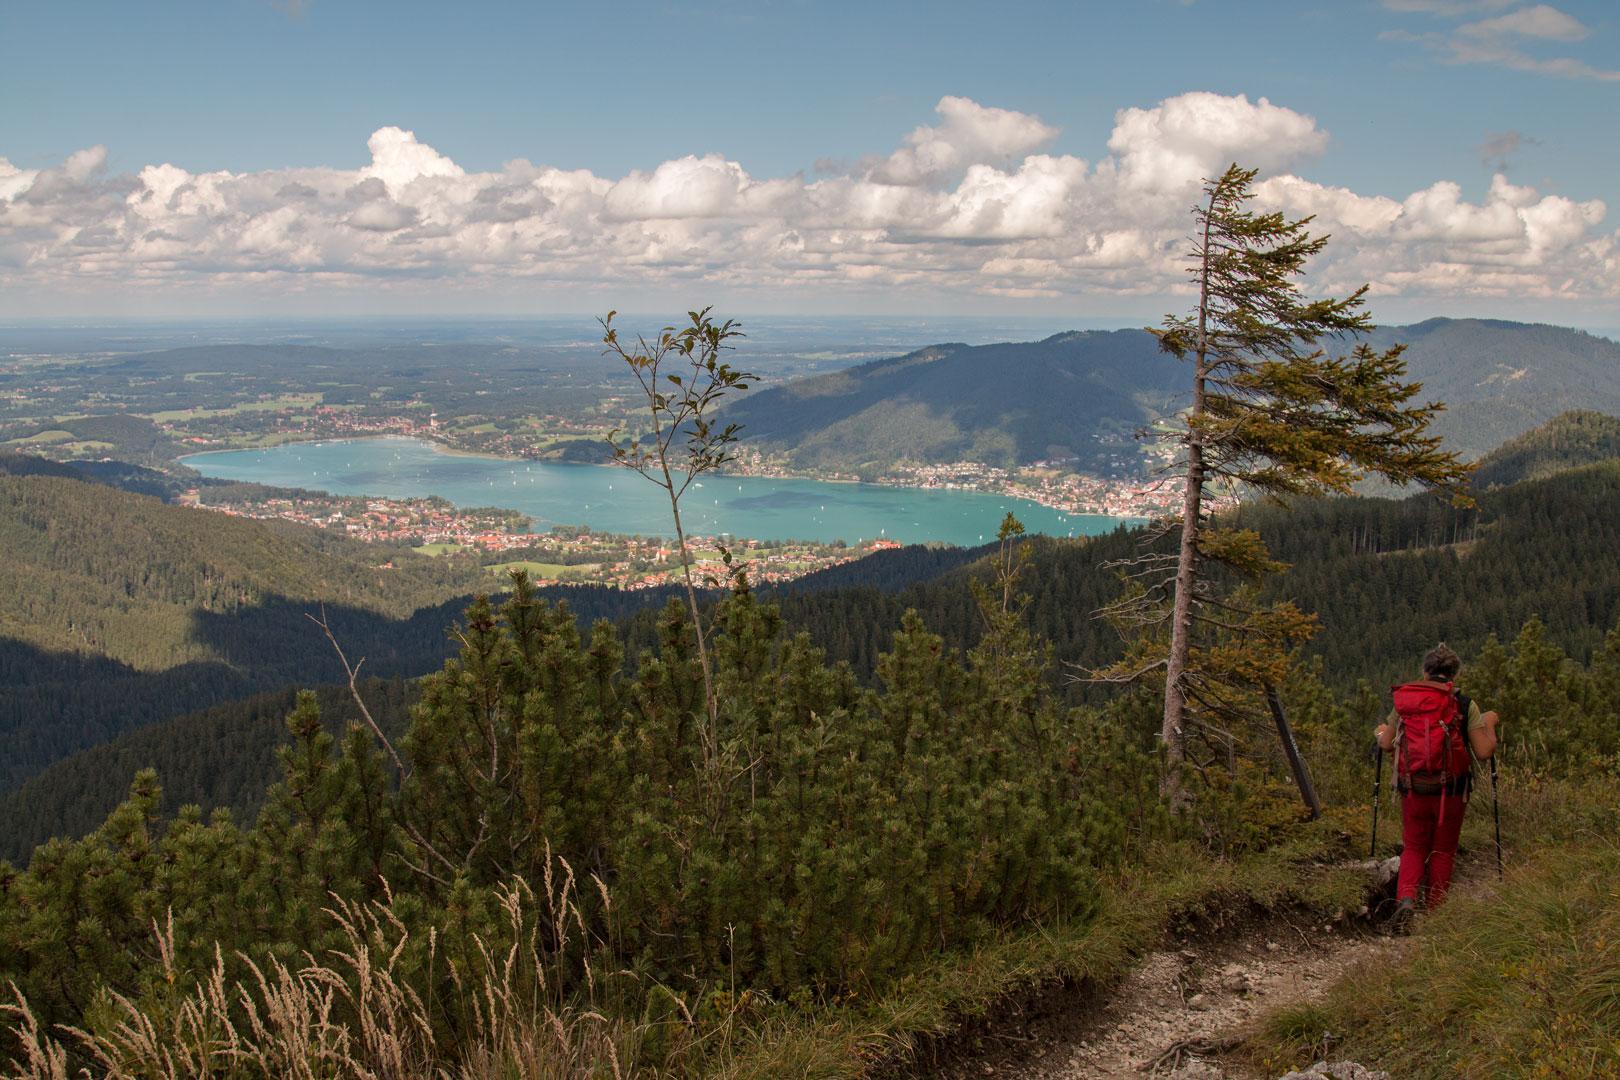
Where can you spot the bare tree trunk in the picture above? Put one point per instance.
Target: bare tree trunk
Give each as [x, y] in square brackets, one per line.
[1174, 731]
[1175, 698]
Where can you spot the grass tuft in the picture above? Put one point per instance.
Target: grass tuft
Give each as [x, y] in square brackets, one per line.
[353, 1017]
[1518, 980]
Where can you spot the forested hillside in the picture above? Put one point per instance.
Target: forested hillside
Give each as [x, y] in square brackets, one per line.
[222, 756]
[1016, 403]
[1569, 440]
[166, 484]
[1003, 404]
[1499, 379]
[219, 756]
[120, 610]
[1388, 577]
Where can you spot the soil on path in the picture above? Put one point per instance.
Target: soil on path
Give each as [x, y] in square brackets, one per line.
[1170, 1016]
[1176, 1012]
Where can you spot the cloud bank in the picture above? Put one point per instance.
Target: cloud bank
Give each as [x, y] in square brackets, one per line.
[970, 206]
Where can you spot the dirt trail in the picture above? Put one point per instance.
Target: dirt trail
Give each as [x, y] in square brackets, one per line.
[1173, 1010]
[1189, 998]
[1169, 1017]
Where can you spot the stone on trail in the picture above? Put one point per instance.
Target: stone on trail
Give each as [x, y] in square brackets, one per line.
[1197, 1070]
[1339, 1070]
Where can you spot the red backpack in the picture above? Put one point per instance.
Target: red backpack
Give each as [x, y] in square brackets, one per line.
[1431, 747]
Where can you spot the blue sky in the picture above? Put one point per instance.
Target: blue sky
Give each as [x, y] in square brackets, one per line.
[329, 157]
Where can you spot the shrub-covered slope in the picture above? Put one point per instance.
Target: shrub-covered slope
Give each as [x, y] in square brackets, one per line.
[220, 756]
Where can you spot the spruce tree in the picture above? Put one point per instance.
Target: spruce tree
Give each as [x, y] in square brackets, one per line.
[1270, 414]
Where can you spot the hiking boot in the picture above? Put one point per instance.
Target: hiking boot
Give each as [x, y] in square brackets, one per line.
[1401, 918]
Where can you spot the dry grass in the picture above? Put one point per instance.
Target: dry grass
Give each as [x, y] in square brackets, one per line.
[355, 1016]
[1517, 980]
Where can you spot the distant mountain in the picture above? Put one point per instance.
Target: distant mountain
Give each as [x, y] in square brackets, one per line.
[1071, 395]
[1500, 379]
[1567, 441]
[1004, 404]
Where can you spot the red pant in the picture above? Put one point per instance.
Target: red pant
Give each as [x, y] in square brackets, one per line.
[1430, 825]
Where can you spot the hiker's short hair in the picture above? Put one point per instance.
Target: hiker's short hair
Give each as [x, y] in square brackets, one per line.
[1441, 663]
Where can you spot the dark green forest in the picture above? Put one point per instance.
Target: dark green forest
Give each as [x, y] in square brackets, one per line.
[1427, 570]
[122, 610]
[222, 756]
[1568, 440]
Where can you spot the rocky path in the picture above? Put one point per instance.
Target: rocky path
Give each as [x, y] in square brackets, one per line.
[1173, 1015]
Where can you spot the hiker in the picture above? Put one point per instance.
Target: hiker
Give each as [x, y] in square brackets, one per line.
[1433, 729]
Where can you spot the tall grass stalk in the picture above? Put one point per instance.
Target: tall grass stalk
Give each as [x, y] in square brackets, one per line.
[355, 1014]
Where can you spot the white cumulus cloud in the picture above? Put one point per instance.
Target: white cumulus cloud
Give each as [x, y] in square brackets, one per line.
[1199, 134]
[976, 205]
[971, 133]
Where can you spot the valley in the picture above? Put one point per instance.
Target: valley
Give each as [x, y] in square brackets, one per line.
[168, 644]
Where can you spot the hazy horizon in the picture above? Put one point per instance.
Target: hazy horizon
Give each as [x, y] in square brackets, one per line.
[63, 336]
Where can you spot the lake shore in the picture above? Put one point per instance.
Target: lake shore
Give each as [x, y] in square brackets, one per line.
[440, 447]
[735, 504]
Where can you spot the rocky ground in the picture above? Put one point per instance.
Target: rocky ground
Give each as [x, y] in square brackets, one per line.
[1178, 1011]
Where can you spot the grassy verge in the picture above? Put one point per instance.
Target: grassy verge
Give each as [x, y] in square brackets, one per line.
[525, 1028]
[1515, 980]
[541, 569]
[1175, 891]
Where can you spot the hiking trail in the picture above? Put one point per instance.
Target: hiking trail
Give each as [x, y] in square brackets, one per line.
[1179, 1008]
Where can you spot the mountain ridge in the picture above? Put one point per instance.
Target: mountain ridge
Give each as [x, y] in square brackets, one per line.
[1013, 403]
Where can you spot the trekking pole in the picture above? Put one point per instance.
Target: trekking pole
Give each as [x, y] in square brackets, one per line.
[1378, 782]
[1496, 813]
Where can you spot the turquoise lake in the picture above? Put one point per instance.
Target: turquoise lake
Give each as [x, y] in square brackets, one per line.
[616, 500]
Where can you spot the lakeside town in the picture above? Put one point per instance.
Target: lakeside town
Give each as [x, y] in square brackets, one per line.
[499, 540]
[1140, 488]
[1139, 485]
